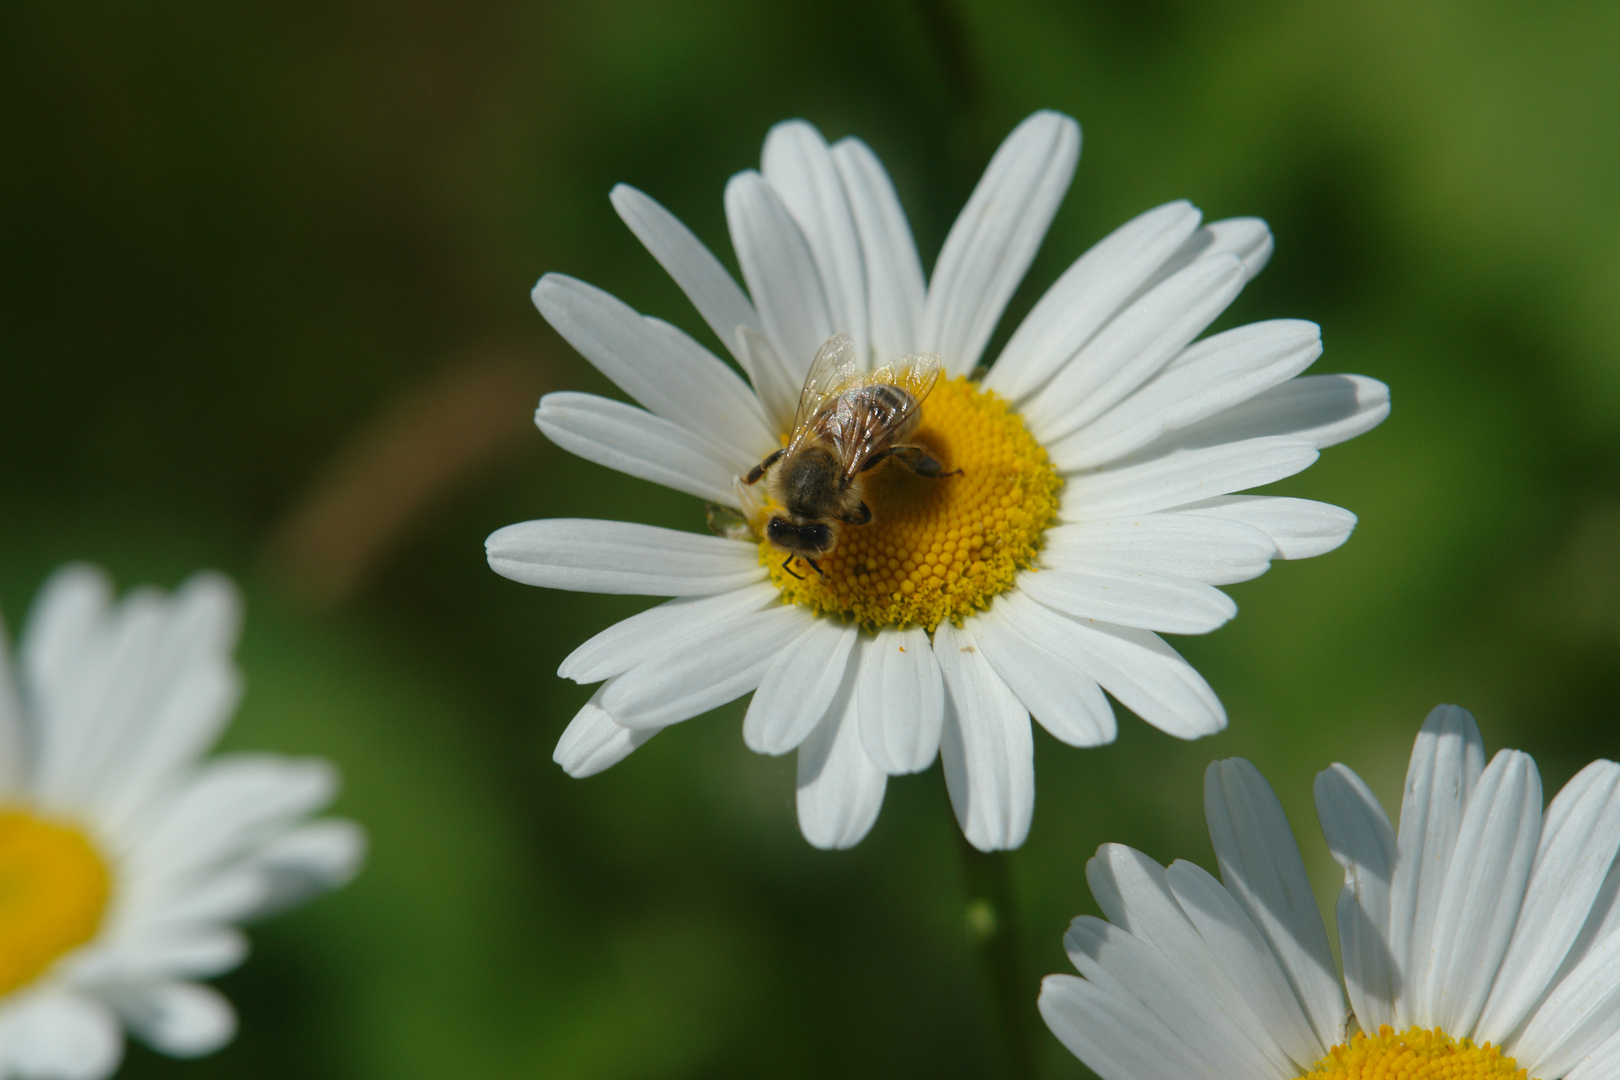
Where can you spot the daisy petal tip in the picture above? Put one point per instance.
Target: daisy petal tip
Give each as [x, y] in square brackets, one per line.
[594, 742]
[833, 833]
[1050, 124]
[319, 857]
[1452, 720]
[64, 1035]
[795, 129]
[545, 291]
[182, 1020]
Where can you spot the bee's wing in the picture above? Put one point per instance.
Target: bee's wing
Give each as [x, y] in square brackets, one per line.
[834, 370]
[869, 430]
[915, 374]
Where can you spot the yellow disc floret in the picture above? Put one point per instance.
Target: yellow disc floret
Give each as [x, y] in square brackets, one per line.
[53, 891]
[1414, 1054]
[937, 549]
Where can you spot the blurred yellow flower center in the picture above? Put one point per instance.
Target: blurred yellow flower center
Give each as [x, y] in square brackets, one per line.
[1415, 1054]
[937, 549]
[53, 892]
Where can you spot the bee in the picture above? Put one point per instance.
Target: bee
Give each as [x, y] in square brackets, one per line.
[848, 422]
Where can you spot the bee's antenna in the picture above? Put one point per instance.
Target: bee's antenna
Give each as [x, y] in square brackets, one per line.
[789, 568]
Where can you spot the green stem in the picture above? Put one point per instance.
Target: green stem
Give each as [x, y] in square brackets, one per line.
[992, 926]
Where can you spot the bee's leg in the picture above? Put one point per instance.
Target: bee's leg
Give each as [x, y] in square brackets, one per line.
[921, 462]
[787, 565]
[759, 470]
[860, 518]
[814, 565]
[877, 459]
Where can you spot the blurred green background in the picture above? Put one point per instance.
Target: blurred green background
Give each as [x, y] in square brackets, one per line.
[263, 307]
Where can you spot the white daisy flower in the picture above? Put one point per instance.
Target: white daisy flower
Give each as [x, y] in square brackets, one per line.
[1478, 942]
[124, 860]
[1100, 457]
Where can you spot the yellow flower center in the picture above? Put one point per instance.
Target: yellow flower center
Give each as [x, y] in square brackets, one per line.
[1415, 1054]
[937, 549]
[53, 891]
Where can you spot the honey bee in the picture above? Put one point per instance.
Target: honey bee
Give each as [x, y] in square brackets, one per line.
[848, 421]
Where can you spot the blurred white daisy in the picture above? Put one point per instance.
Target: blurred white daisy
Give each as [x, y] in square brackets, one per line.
[124, 860]
[1479, 942]
[1096, 508]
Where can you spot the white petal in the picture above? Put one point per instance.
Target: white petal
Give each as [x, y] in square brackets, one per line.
[1103, 952]
[1246, 239]
[67, 611]
[1361, 840]
[986, 746]
[1447, 759]
[1603, 921]
[171, 703]
[1603, 1063]
[1117, 1039]
[1136, 666]
[658, 365]
[995, 237]
[584, 555]
[1301, 528]
[198, 951]
[780, 270]
[1135, 895]
[594, 741]
[1056, 691]
[1326, 409]
[1246, 959]
[1262, 869]
[60, 1036]
[1182, 477]
[778, 387]
[798, 165]
[1210, 376]
[227, 895]
[308, 861]
[1089, 293]
[1130, 597]
[1579, 838]
[1578, 1018]
[894, 277]
[98, 701]
[229, 808]
[719, 299]
[1132, 348]
[152, 685]
[725, 661]
[798, 687]
[1204, 548]
[840, 790]
[181, 1019]
[1479, 903]
[660, 629]
[638, 443]
[901, 698]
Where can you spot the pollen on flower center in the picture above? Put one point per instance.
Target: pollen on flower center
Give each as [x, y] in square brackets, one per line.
[54, 888]
[937, 549]
[1415, 1054]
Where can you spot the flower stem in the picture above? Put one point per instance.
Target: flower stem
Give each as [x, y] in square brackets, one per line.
[992, 926]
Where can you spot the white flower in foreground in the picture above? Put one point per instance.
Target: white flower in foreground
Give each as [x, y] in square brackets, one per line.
[1095, 508]
[1479, 942]
[124, 861]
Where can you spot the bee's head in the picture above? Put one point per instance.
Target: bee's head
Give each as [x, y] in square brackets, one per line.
[810, 540]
